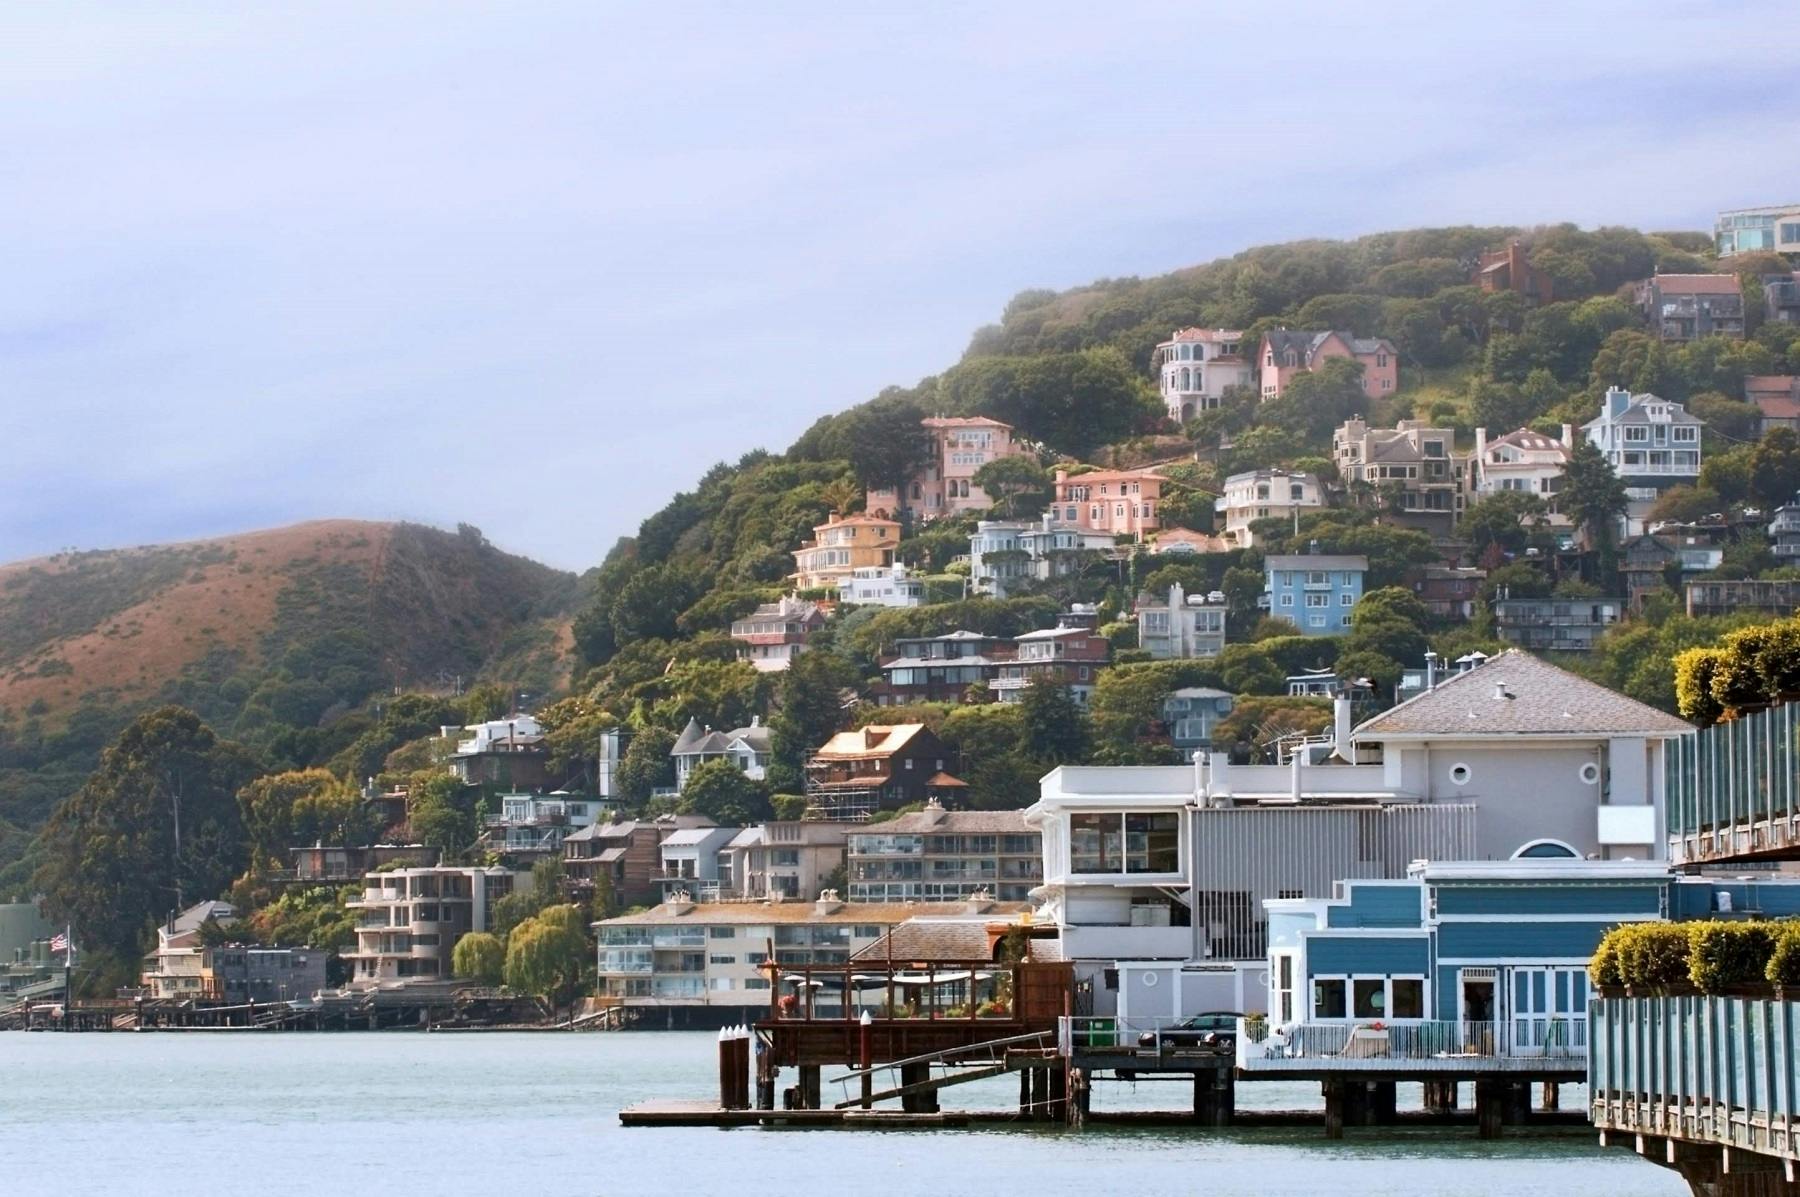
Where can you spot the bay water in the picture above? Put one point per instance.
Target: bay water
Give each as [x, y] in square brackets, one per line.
[396, 1114]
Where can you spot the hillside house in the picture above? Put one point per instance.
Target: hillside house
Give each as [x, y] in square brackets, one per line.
[1286, 354]
[1068, 656]
[879, 767]
[1412, 471]
[1448, 591]
[1651, 444]
[1195, 368]
[1522, 461]
[1179, 626]
[503, 752]
[1510, 269]
[935, 855]
[1192, 713]
[1004, 553]
[1684, 307]
[1773, 229]
[841, 546]
[745, 747]
[1314, 591]
[874, 586]
[785, 858]
[1120, 503]
[944, 485]
[1265, 494]
[627, 856]
[1777, 397]
[939, 668]
[771, 636]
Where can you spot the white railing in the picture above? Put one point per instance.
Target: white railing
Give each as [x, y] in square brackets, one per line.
[1145, 1036]
[1442, 1044]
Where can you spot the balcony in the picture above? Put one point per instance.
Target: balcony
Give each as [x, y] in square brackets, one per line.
[1734, 789]
[1528, 1044]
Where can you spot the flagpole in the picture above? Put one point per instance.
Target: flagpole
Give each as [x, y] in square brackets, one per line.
[68, 975]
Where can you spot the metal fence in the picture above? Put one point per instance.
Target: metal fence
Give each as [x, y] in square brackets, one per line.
[1734, 788]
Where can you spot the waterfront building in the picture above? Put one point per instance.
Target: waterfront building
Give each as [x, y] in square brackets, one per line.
[771, 636]
[1316, 592]
[410, 919]
[1196, 366]
[1412, 471]
[1774, 229]
[627, 856]
[178, 967]
[1265, 494]
[1684, 307]
[1521, 462]
[935, 855]
[1191, 713]
[688, 964]
[841, 546]
[746, 747]
[1119, 503]
[878, 767]
[1286, 354]
[786, 858]
[945, 484]
[1553, 624]
[1183, 627]
[874, 586]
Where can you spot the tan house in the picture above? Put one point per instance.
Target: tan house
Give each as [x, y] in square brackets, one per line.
[1412, 468]
[843, 545]
[1116, 502]
[944, 485]
[1777, 397]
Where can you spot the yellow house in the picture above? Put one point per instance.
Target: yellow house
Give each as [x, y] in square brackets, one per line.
[842, 546]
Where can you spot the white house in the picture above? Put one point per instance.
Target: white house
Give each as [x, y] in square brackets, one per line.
[1196, 365]
[881, 586]
[1182, 627]
[1265, 494]
[1651, 444]
[1522, 461]
[1003, 553]
[745, 747]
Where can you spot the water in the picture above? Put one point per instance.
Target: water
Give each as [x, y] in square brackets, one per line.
[499, 1114]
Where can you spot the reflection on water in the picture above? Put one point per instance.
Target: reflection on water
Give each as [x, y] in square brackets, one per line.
[406, 1113]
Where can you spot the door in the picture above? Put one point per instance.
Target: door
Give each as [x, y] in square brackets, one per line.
[1548, 1015]
[1478, 992]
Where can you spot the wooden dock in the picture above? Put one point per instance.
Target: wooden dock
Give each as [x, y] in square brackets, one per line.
[706, 1113]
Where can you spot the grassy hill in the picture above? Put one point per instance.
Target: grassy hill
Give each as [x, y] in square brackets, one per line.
[278, 638]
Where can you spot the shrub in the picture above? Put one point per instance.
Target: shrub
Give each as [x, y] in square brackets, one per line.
[1723, 954]
[1784, 961]
[1603, 969]
[1694, 671]
[1737, 677]
[1779, 659]
[1653, 954]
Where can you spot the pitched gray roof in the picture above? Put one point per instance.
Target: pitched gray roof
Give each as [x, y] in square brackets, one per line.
[1545, 701]
[952, 822]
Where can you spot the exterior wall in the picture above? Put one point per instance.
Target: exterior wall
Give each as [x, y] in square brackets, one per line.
[1265, 494]
[941, 867]
[842, 547]
[412, 918]
[1115, 502]
[1316, 607]
[695, 961]
[1381, 367]
[1555, 625]
[873, 587]
[1197, 366]
[945, 485]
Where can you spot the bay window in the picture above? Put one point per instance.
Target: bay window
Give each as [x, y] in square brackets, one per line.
[1129, 842]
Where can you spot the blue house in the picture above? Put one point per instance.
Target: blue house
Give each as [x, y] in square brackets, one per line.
[1315, 591]
[1191, 713]
[1466, 961]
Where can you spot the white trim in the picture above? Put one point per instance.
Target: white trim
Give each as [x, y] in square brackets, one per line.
[1513, 961]
[1519, 852]
[1604, 917]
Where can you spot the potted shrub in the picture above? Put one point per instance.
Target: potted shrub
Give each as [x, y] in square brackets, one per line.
[1653, 959]
[1729, 957]
[1784, 962]
[1694, 671]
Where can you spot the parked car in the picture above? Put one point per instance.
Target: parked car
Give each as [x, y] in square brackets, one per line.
[1215, 1029]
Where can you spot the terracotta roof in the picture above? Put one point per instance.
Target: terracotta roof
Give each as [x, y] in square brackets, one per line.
[941, 780]
[962, 422]
[1116, 475]
[760, 913]
[1545, 701]
[1778, 407]
[1698, 284]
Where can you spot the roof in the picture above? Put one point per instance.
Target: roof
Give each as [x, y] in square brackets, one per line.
[933, 939]
[1775, 395]
[694, 742]
[877, 739]
[760, 913]
[747, 838]
[1053, 633]
[591, 831]
[1148, 472]
[1698, 284]
[191, 918]
[940, 780]
[1200, 692]
[690, 835]
[1170, 538]
[1316, 561]
[856, 519]
[1635, 412]
[952, 822]
[1371, 345]
[929, 662]
[1545, 701]
[1531, 442]
[609, 855]
[1209, 335]
[1301, 343]
[963, 422]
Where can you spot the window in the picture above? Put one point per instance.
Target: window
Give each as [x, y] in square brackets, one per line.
[1368, 997]
[1344, 620]
[1328, 997]
[1685, 432]
[1315, 621]
[1318, 600]
[1136, 842]
[1589, 773]
[1408, 997]
[1636, 432]
[1347, 598]
[722, 959]
[1287, 600]
[722, 932]
[1460, 774]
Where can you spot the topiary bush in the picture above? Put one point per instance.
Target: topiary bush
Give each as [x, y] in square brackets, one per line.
[1694, 671]
[1723, 954]
[1779, 660]
[1784, 961]
[1652, 954]
[1737, 679]
[1603, 969]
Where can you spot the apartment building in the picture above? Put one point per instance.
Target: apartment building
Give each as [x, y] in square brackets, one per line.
[1774, 229]
[409, 920]
[1120, 503]
[1553, 624]
[1287, 354]
[1265, 494]
[841, 546]
[1192, 713]
[1004, 553]
[874, 586]
[939, 668]
[1774, 596]
[935, 855]
[771, 636]
[535, 824]
[1195, 368]
[1066, 656]
[1411, 470]
[945, 484]
[1179, 626]
[787, 858]
[1315, 591]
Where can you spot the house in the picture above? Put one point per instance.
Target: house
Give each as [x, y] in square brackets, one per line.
[958, 447]
[935, 855]
[1651, 444]
[1522, 461]
[787, 858]
[1562, 625]
[626, 857]
[697, 861]
[1510, 269]
[1181, 540]
[1120, 503]
[1004, 553]
[771, 636]
[1181, 627]
[1313, 683]
[1314, 591]
[1781, 298]
[533, 825]
[745, 747]
[1784, 532]
[1643, 562]
[503, 752]
[687, 964]
[411, 919]
[1285, 354]
[1777, 397]
[873, 586]
[1067, 656]
[1265, 494]
[1770, 597]
[1774, 229]
[841, 546]
[878, 767]
[179, 966]
[348, 862]
[1448, 591]
[1191, 713]
[1412, 470]
[939, 668]
[1684, 307]
[1196, 367]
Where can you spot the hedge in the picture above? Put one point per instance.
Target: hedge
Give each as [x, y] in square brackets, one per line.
[1751, 667]
[1784, 962]
[1694, 671]
[1712, 955]
[1722, 954]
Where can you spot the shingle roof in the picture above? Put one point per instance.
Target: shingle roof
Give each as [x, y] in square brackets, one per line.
[1316, 561]
[873, 740]
[1533, 442]
[1698, 284]
[953, 822]
[1545, 701]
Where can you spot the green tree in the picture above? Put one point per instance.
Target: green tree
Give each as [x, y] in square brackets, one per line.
[809, 710]
[1056, 728]
[1775, 467]
[1685, 503]
[545, 955]
[1505, 518]
[268, 808]
[883, 440]
[1018, 485]
[486, 702]
[479, 956]
[1592, 494]
[722, 792]
[647, 606]
[1315, 403]
[156, 826]
[647, 764]
[441, 812]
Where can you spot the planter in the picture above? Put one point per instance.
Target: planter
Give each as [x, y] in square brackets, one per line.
[1760, 990]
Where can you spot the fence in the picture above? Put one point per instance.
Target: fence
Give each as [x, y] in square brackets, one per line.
[1734, 788]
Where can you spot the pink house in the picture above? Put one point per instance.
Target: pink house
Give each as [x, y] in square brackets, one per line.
[1285, 354]
[945, 485]
[1118, 502]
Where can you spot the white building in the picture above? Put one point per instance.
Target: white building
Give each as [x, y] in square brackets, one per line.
[1003, 553]
[1651, 444]
[745, 747]
[1183, 627]
[537, 823]
[1522, 461]
[1266, 494]
[496, 734]
[411, 919]
[1196, 367]
[881, 586]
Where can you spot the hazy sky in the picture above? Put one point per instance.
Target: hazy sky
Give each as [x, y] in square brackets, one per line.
[536, 266]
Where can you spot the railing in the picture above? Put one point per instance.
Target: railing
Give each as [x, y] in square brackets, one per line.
[1734, 788]
[1429, 1044]
[945, 990]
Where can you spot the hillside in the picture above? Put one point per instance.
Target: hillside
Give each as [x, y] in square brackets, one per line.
[265, 634]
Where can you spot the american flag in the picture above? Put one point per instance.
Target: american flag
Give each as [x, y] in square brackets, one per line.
[60, 943]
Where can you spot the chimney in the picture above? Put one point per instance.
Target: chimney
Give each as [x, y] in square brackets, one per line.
[1617, 400]
[1340, 727]
[1500, 690]
[1568, 436]
[934, 812]
[828, 903]
[1481, 445]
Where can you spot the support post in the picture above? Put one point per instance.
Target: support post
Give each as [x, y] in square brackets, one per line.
[1440, 1097]
[1334, 1109]
[1381, 1101]
[1552, 1096]
[1489, 1109]
[865, 1058]
[809, 1086]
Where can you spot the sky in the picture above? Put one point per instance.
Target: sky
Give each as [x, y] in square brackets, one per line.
[537, 266]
